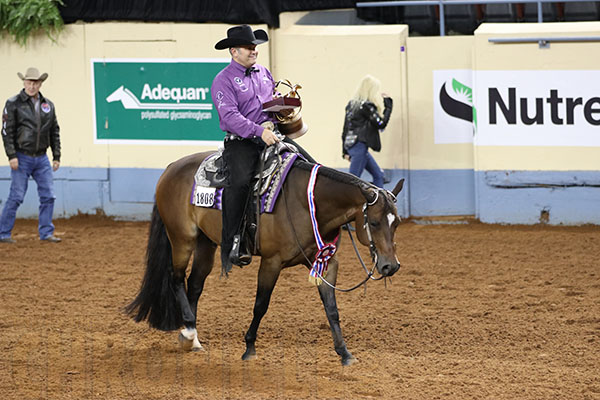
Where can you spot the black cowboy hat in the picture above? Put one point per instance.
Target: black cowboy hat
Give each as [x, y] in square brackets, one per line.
[242, 35]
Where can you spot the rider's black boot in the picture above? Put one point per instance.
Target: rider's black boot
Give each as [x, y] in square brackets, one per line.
[238, 256]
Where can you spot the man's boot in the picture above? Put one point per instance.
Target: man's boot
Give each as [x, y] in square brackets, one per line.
[237, 256]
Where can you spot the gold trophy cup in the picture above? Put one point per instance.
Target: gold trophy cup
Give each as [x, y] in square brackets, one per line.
[287, 110]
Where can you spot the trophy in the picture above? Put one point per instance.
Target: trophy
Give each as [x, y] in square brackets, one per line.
[287, 111]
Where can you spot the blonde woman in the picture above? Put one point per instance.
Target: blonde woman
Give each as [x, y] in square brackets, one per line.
[367, 113]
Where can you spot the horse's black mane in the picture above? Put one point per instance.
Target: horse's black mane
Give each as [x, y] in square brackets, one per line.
[345, 177]
[334, 174]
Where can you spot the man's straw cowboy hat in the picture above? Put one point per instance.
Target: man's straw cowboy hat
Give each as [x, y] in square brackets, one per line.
[33, 74]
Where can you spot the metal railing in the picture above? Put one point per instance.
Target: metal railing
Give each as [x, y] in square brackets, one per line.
[443, 3]
[544, 42]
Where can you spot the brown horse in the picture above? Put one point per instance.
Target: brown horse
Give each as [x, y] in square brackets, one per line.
[286, 238]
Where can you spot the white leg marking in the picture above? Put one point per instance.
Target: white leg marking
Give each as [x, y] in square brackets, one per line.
[189, 333]
[196, 346]
[188, 339]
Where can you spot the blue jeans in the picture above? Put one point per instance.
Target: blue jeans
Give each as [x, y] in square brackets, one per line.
[360, 159]
[40, 169]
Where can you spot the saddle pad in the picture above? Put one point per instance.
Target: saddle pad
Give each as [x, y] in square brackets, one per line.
[205, 195]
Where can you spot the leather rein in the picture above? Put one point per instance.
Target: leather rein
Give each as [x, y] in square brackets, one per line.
[372, 247]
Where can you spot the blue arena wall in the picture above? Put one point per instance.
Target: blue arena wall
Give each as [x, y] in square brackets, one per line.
[510, 197]
[123, 193]
[441, 192]
[530, 197]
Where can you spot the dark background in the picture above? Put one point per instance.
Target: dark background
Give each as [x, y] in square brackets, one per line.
[421, 19]
[227, 11]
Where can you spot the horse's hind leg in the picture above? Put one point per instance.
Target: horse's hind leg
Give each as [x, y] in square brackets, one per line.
[204, 256]
[182, 251]
[267, 277]
[328, 298]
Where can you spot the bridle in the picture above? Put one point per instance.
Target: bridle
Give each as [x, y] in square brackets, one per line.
[367, 228]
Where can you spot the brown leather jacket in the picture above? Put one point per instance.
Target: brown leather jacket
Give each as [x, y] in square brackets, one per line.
[26, 132]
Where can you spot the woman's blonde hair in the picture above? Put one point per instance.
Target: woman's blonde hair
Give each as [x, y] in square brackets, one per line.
[369, 89]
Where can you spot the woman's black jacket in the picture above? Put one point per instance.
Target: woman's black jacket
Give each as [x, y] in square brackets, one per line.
[363, 124]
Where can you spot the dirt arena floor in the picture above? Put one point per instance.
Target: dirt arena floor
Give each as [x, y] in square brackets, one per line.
[476, 312]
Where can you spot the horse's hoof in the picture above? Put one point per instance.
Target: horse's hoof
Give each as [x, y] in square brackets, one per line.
[185, 343]
[248, 356]
[349, 361]
[196, 346]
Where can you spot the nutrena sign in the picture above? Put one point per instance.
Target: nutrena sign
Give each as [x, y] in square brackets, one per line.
[554, 105]
[537, 108]
[155, 100]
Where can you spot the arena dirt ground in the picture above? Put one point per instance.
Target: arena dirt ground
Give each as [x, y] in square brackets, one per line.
[476, 312]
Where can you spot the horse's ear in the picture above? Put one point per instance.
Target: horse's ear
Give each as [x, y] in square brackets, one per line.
[398, 187]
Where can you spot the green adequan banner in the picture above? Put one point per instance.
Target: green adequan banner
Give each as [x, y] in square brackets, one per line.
[154, 100]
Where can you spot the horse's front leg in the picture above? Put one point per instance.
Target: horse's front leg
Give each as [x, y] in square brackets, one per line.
[328, 298]
[267, 277]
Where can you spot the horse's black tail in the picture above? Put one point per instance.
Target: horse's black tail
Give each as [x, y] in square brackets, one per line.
[156, 300]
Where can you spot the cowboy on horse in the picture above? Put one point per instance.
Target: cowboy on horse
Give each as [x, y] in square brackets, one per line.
[239, 92]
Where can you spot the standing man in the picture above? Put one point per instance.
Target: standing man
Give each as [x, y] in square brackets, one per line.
[238, 92]
[29, 126]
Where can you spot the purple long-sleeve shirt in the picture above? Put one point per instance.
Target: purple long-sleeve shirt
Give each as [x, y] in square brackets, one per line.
[239, 98]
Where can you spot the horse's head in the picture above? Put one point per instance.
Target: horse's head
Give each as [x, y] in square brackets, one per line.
[116, 95]
[376, 224]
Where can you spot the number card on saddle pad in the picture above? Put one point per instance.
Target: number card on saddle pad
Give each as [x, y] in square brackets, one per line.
[205, 196]
[209, 180]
